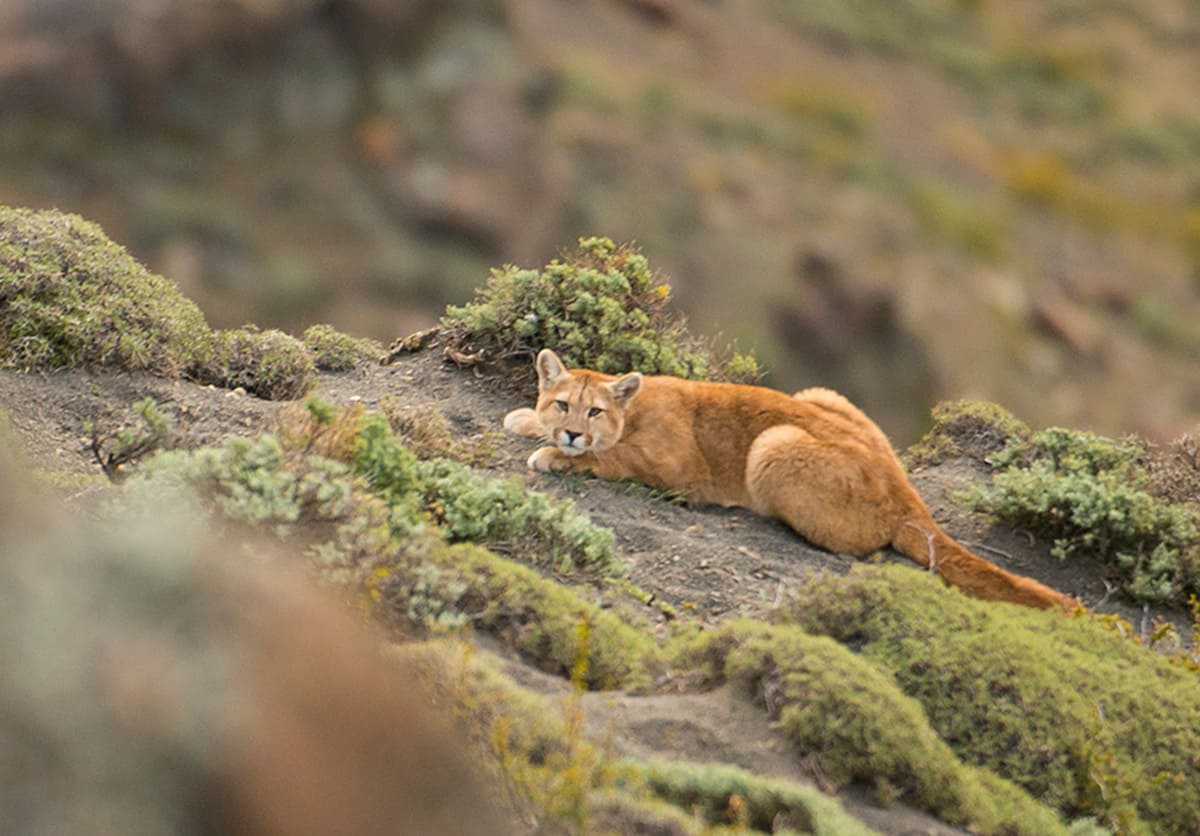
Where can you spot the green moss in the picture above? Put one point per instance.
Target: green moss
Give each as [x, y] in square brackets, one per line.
[333, 351]
[856, 722]
[1083, 719]
[602, 308]
[977, 429]
[551, 625]
[71, 297]
[1091, 495]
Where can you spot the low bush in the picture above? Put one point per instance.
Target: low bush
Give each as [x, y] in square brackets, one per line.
[71, 297]
[602, 308]
[269, 364]
[729, 795]
[333, 351]
[1091, 496]
[426, 432]
[1080, 717]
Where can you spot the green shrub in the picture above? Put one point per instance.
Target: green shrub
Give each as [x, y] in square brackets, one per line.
[1085, 720]
[508, 517]
[71, 297]
[270, 364]
[1090, 495]
[859, 726]
[550, 624]
[602, 309]
[333, 351]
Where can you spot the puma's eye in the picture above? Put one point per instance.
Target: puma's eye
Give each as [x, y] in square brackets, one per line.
[562, 405]
[594, 411]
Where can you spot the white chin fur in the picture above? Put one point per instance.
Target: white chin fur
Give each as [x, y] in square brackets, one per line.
[571, 451]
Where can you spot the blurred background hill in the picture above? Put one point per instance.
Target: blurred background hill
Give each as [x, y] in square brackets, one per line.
[904, 199]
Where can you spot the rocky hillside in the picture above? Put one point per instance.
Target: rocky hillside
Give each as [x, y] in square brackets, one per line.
[613, 659]
[911, 200]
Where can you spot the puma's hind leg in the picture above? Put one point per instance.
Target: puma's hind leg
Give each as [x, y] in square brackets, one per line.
[831, 493]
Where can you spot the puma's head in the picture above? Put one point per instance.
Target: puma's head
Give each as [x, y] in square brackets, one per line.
[581, 412]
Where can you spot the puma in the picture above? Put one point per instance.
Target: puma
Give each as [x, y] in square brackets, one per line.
[814, 460]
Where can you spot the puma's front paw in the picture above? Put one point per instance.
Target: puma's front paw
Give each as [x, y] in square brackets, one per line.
[523, 421]
[544, 460]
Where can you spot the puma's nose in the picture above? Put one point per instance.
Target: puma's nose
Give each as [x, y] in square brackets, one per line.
[571, 436]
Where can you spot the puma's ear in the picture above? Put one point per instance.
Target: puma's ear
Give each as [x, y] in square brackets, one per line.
[623, 389]
[549, 369]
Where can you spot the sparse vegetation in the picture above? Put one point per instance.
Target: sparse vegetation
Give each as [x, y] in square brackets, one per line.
[426, 432]
[377, 518]
[601, 308]
[550, 763]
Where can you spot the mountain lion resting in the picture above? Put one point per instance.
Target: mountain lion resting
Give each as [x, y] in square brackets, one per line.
[814, 461]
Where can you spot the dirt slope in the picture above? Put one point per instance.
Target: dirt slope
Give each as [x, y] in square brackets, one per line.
[703, 562]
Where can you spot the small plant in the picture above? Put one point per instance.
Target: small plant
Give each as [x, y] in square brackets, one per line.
[131, 443]
[333, 351]
[602, 308]
[270, 364]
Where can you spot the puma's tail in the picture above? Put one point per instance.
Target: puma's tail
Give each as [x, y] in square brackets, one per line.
[923, 541]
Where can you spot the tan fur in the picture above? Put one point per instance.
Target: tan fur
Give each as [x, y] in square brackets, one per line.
[813, 460]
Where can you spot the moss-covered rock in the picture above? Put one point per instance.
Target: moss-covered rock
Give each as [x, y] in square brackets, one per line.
[71, 297]
[601, 308]
[1082, 718]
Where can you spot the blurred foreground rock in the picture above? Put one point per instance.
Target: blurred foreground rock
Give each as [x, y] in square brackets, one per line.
[153, 682]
